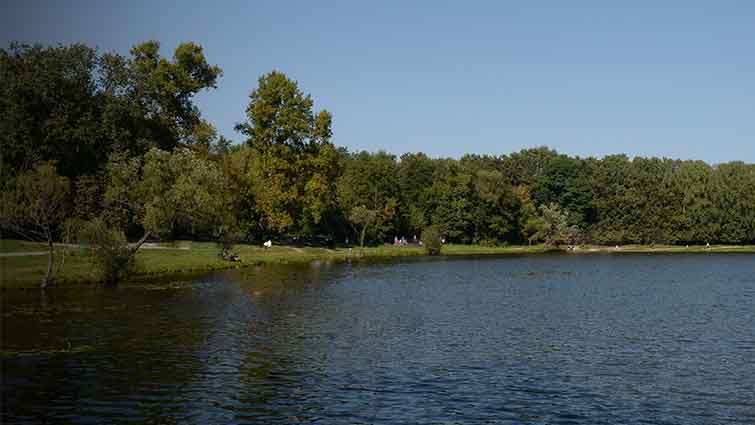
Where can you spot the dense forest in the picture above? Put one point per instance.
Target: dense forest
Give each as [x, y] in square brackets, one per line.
[90, 136]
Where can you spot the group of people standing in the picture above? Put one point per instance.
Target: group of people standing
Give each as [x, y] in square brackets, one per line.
[404, 242]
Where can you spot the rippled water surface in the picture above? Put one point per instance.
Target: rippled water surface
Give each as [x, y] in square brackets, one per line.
[541, 339]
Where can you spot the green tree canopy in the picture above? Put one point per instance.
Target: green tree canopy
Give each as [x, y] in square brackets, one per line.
[368, 186]
[166, 192]
[294, 165]
[34, 205]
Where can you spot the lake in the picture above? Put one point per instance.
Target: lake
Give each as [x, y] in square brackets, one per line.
[545, 339]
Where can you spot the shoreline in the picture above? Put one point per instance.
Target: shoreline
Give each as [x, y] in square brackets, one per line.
[21, 267]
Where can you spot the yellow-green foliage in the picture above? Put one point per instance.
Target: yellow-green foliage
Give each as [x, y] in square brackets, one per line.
[108, 250]
[432, 240]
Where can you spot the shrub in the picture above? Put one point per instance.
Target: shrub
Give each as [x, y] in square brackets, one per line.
[108, 250]
[432, 240]
[227, 239]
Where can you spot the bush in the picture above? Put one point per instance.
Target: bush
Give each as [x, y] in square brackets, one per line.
[227, 239]
[432, 240]
[108, 250]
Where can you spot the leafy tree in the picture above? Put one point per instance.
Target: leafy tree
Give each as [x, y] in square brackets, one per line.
[166, 192]
[368, 183]
[75, 106]
[530, 225]
[415, 176]
[528, 165]
[556, 229]
[451, 201]
[416, 219]
[535, 229]
[495, 207]
[222, 146]
[35, 205]
[691, 217]
[363, 218]
[117, 126]
[49, 107]
[611, 200]
[239, 165]
[733, 197]
[89, 191]
[566, 181]
[647, 200]
[203, 138]
[294, 165]
[162, 90]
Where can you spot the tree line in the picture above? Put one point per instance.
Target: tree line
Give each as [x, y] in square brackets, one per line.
[118, 139]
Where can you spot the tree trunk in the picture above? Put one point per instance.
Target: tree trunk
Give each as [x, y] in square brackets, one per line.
[361, 237]
[140, 243]
[50, 253]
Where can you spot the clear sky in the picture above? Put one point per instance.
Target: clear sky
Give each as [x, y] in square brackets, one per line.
[670, 78]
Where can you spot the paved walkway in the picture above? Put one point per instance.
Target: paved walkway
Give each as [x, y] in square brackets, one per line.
[22, 254]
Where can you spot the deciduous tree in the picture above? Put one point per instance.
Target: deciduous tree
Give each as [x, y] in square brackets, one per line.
[294, 165]
[165, 192]
[34, 205]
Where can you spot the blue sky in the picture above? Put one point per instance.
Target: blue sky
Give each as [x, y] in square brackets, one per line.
[672, 79]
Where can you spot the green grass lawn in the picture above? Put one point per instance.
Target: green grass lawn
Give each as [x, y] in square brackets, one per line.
[175, 258]
[12, 245]
[185, 257]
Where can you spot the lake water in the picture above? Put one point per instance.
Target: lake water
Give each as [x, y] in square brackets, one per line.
[657, 339]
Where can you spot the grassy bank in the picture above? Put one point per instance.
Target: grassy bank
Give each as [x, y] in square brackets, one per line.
[11, 245]
[26, 271]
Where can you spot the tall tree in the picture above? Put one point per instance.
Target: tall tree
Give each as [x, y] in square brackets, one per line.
[451, 194]
[163, 90]
[527, 165]
[496, 209]
[49, 108]
[733, 197]
[72, 105]
[295, 165]
[415, 176]
[566, 181]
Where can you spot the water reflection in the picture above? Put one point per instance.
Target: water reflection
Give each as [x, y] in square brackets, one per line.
[545, 339]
